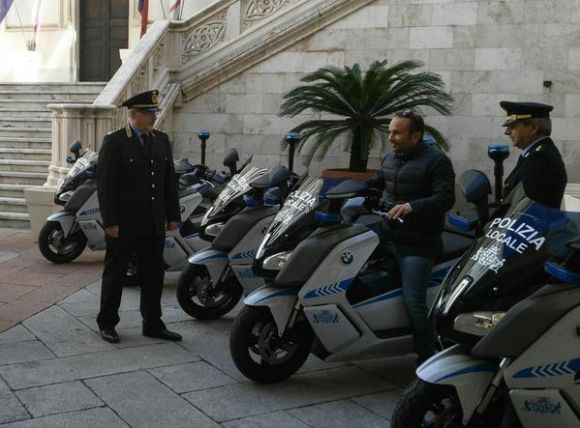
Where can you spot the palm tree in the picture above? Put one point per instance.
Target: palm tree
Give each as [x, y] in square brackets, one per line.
[362, 104]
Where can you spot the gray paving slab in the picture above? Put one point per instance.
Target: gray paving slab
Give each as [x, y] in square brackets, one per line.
[382, 403]
[211, 345]
[191, 377]
[81, 303]
[276, 419]
[64, 334]
[10, 408]
[132, 318]
[18, 333]
[46, 372]
[397, 370]
[94, 287]
[343, 413]
[59, 398]
[7, 255]
[21, 352]
[93, 418]
[248, 399]
[143, 401]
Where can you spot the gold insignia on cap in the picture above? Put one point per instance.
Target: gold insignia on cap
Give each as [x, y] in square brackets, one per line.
[154, 97]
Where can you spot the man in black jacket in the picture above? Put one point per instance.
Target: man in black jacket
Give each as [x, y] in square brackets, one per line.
[137, 193]
[540, 168]
[418, 184]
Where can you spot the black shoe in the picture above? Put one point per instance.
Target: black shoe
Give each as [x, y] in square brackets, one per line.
[164, 334]
[109, 335]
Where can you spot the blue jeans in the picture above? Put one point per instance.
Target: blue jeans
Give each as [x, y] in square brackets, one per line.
[415, 272]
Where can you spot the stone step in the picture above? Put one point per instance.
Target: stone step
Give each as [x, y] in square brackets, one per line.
[47, 96]
[25, 132]
[25, 142]
[25, 122]
[25, 154]
[25, 178]
[13, 190]
[91, 87]
[33, 112]
[13, 205]
[24, 165]
[39, 103]
[14, 220]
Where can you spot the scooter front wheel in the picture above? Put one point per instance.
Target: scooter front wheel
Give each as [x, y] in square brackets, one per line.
[57, 248]
[200, 298]
[427, 405]
[260, 353]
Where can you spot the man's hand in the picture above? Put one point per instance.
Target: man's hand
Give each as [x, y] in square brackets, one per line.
[398, 212]
[172, 225]
[112, 231]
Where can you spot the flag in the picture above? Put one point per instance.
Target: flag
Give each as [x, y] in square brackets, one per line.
[175, 9]
[144, 11]
[4, 8]
[36, 25]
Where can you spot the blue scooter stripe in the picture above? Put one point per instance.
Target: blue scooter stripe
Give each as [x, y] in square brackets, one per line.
[480, 368]
[556, 369]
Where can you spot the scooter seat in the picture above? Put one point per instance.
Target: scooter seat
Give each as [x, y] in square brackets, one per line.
[454, 246]
[181, 193]
[525, 322]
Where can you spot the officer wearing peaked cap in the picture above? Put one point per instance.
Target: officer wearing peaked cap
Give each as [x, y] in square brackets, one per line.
[137, 194]
[540, 168]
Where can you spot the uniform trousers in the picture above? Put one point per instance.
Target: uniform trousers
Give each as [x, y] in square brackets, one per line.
[150, 270]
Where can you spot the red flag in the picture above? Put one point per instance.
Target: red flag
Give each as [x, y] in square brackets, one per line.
[144, 11]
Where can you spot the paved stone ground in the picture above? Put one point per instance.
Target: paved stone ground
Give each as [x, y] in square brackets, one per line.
[29, 283]
[55, 371]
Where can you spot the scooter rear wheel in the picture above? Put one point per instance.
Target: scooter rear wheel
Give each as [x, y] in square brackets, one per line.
[260, 353]
[201, 299]
[427, 405]
[58, 249]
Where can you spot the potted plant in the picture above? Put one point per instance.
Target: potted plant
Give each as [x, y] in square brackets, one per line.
[361, 105]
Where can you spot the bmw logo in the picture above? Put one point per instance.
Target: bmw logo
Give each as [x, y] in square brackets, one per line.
[347, 257]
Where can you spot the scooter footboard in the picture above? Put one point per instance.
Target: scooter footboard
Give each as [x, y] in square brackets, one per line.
[469, 376]
[215, 261]
[280, 301]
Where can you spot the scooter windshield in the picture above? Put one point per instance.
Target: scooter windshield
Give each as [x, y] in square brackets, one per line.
[237, 186]
[512, 248]
[299, 203]
[86, 161]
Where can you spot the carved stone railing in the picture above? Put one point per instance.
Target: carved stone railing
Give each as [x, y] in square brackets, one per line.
[231, 36]
[146, 68]
[187, 58]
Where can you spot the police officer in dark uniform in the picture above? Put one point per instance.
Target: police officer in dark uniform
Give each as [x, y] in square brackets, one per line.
[540, 168]
[137, 193]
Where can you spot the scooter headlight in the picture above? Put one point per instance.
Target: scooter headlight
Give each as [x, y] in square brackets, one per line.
[477, 323]
[214, 229]
[65, 196]
[277, 261]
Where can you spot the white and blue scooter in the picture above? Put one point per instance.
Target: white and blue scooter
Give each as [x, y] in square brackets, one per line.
[335, 290]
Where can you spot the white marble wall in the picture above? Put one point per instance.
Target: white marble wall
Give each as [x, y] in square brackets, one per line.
[486, 51]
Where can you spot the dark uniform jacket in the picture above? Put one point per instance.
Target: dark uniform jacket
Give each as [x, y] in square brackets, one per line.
[137, 190]
[542, 173]
[424, 178]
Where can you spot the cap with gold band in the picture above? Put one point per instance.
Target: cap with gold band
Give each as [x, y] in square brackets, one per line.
[145, 101]
[524, 110]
